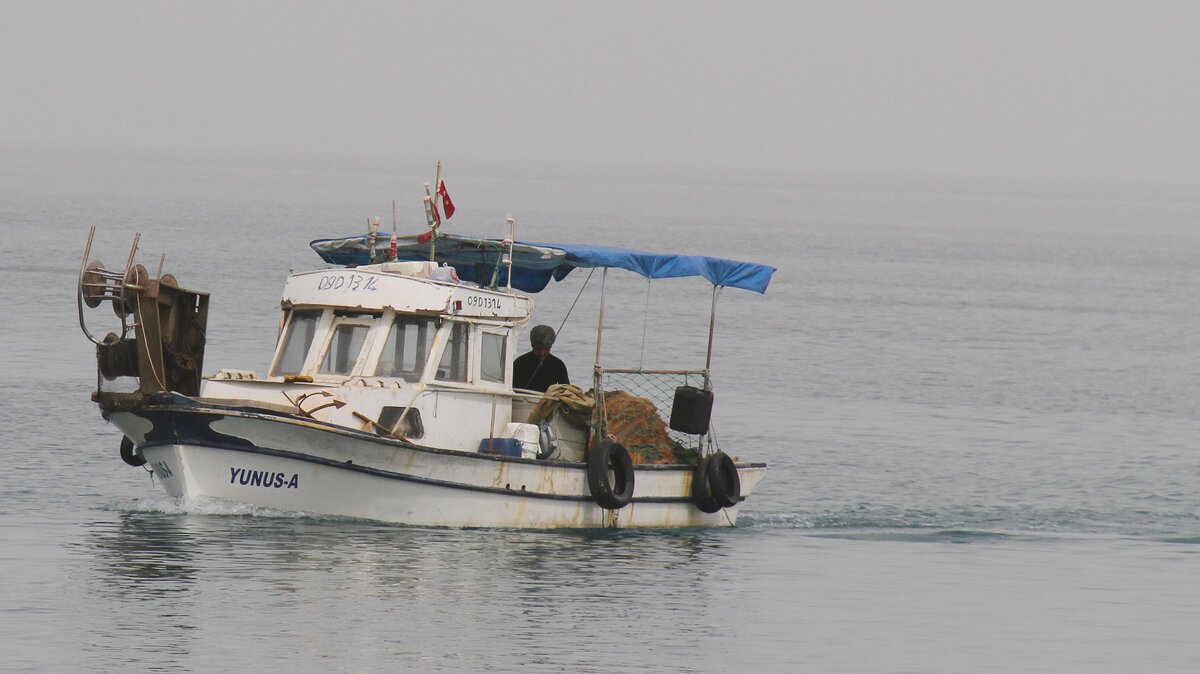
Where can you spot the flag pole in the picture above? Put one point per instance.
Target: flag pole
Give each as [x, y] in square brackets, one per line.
[392, 254]
[431, 219]
[437, 184]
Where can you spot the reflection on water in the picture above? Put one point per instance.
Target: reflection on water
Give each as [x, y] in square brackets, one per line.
[141, 555]
[200, 580]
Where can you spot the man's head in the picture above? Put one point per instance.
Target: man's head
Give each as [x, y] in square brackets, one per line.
[541, 338]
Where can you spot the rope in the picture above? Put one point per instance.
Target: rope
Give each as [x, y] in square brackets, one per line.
[560, 326]
[580, 294]
[495, 283]
[559, 331]
[149, 360]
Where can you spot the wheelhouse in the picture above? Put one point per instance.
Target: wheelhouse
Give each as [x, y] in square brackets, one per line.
[407, 323]
[330, 345]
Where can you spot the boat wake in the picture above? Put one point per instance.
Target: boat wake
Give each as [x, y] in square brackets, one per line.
[862, 527]
[162, 504]
[965, 527]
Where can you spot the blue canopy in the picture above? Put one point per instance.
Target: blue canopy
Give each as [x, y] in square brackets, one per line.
[719, 271]
[534, 264]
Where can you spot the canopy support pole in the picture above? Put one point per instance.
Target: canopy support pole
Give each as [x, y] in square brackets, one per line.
[598, 412]
[712, 324]
[600, 324]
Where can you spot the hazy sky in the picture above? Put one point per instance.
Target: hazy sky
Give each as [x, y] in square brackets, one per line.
[1077, 91]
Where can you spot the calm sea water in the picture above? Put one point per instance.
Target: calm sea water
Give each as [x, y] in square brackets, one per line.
[982, 417]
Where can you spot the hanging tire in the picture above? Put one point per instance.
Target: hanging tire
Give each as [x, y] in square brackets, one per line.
[723, 481]
[130, 455]
[701, 492]
[611, 490]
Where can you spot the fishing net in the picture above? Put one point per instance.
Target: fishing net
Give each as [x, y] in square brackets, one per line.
[635, 423]
[632, 420]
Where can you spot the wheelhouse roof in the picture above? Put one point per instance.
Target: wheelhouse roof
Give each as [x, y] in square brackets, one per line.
[534, 264]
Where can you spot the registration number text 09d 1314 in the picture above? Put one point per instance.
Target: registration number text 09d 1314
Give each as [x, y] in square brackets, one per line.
[477, 302]
[351, 282]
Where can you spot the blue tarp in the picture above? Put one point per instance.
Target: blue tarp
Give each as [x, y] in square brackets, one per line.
[536, 263]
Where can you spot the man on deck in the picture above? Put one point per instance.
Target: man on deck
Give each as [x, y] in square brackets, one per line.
[538, 370]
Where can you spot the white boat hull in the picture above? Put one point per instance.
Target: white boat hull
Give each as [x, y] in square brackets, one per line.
[293, 464]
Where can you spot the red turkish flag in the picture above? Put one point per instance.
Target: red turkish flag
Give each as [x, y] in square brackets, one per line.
[447, 205]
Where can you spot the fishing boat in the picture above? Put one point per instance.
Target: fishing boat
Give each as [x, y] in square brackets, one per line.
[390, 395]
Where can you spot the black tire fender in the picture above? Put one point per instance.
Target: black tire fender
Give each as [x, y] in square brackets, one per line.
[129, 454]
[723, 481]
[701, 491]
[614, 490]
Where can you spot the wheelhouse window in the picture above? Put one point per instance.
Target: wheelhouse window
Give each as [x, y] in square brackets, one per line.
[491, 361]
[349, 333]
[407, 348]
[297, 338]
[453, 366]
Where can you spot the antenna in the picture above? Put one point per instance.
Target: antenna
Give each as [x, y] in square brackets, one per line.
[373, 228]
[508, 257]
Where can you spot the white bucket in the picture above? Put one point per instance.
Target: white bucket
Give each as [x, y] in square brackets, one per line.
[528, 435]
